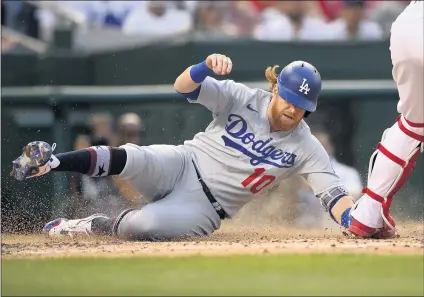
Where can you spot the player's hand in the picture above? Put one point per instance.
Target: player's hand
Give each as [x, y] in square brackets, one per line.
[220, 64]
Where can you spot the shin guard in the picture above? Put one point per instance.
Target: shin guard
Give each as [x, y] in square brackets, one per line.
[390, 167]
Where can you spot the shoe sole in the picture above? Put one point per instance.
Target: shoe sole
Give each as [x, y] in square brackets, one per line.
[27, 152]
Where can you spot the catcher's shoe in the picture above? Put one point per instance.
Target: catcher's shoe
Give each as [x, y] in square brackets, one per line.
[386, 232]
[64, 227]
[37, 159]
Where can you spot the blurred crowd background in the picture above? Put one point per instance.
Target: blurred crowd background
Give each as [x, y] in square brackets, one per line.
[37, 27]
[109, 195]
[336, 20]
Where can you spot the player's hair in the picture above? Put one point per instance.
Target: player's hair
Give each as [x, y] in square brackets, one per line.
[271, 75]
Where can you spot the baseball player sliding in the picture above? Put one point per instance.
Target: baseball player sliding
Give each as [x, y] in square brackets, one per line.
[255, 140]
[394, 160]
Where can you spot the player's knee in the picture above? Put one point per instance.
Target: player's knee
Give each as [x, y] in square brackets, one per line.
[140, 225]
[134, 162]
[407, 124]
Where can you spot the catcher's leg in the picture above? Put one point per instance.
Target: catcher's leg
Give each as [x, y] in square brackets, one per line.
[394, 160]
[390, 167]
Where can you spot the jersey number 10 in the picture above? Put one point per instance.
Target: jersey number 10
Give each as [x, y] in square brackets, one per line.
[260, 184]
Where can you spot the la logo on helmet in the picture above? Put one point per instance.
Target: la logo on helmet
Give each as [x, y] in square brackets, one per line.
[304, 88]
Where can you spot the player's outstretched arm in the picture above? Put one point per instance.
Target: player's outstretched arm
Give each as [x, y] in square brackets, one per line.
[333, 195]
[193, 76]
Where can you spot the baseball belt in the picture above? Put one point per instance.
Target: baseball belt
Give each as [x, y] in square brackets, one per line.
[218, 208]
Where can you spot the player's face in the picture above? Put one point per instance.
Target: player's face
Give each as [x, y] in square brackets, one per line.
[283, 115]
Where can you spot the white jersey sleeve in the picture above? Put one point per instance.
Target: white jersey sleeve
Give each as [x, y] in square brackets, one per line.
[217, 95]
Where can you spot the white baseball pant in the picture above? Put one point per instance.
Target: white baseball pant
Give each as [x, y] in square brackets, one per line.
[394, 160]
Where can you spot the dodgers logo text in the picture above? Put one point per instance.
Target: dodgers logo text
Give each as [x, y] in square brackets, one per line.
[258, 150]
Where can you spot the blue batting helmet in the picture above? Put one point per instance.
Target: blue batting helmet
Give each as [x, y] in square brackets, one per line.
[300, 84]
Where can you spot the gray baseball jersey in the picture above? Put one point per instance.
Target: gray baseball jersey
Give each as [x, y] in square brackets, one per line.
[239, 157]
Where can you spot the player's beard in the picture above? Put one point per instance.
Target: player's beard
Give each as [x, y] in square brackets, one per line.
[287, 122]
[279, 121]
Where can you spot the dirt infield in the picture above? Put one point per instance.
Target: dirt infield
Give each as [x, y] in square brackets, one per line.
[231, 239]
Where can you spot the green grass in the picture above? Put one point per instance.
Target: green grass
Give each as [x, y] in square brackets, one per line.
[239, 275]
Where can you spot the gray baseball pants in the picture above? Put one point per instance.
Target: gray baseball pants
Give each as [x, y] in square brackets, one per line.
[178, 208]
